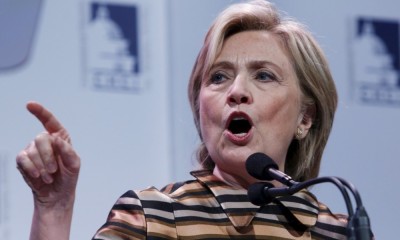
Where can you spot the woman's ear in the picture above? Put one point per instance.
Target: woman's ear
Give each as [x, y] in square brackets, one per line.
[306, 121]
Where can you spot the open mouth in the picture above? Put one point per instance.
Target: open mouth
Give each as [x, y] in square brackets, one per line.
[239, 124]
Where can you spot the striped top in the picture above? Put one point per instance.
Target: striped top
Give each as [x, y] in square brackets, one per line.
[207, 208]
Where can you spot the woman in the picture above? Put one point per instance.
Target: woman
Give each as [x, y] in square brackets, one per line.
[260, 84]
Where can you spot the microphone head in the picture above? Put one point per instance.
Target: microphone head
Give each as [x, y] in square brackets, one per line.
[257, 165]
[257, 195]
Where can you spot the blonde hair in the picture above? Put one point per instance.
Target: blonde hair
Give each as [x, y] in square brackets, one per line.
[311, 68]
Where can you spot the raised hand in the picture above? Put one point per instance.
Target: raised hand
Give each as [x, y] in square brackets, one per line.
[50, 166]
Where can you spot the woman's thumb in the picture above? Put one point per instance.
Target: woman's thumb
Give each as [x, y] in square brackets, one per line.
[67, 154]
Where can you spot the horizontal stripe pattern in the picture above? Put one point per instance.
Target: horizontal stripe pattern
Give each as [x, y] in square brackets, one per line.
[207, 208]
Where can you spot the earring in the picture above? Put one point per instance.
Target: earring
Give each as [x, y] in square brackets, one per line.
[299, 133]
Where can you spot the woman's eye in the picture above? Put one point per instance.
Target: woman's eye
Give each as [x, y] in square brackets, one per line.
[265, 76]
[217, 78]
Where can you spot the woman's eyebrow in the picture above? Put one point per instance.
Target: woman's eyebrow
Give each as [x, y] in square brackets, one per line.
[261, 63]
[222, 64]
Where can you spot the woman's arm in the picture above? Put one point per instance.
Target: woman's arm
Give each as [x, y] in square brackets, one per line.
[50, 167]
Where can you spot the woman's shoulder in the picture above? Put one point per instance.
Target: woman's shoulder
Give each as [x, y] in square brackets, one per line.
[327, 217]
[328, 223]
[171, 188]
[168, 191]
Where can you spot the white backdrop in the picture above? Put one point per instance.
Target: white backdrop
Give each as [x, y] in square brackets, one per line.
[133, 140]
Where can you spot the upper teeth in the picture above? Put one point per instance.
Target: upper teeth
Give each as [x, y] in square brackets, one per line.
[239, 118]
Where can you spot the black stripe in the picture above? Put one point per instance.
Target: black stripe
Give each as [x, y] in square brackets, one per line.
[127, 207]
[160, 219]
[301, 201]
[239, 211]
[159, 205]
[124, 226]
[272, 209]
[331, 228]
[233, 198]
[199, 208]
[129, 194]
[182, 220]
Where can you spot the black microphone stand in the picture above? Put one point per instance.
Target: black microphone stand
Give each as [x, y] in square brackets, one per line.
[358, 222]
[262, 167]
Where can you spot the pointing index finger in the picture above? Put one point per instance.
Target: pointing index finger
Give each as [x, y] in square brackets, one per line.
[48, 120]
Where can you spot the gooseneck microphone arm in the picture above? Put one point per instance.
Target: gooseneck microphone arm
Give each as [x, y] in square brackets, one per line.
[270, 192]
[263, 167]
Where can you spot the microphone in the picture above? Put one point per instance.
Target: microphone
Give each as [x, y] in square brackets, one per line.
[262, 167]
[258, 193]
[262, 193]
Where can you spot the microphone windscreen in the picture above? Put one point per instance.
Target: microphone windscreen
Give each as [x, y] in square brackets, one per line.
[257, 165]
[256, 195]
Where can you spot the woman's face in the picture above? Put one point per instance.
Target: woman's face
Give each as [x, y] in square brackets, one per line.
[249, 102]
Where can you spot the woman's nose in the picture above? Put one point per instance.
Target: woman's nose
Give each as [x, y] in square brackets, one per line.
[239, 93]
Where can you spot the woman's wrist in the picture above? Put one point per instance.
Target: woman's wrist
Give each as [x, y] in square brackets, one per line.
[52, 221]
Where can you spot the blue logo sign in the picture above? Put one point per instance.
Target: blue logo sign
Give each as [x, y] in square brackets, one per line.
[112, 48]
[376, 64]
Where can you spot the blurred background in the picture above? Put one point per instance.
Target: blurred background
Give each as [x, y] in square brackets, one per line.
[115, 73]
